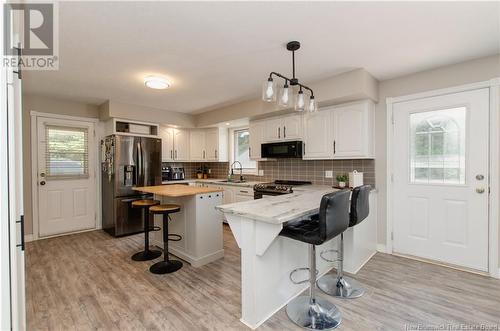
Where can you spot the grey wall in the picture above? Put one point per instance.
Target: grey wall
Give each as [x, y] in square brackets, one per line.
[45, 105]
[453, 75]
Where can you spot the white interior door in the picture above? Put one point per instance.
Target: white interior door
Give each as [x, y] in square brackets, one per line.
[67, 189]
[440, 187]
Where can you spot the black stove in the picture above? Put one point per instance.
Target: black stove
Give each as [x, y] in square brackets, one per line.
[277, 187]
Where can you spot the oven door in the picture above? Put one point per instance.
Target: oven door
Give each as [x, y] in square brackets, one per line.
[286, 149]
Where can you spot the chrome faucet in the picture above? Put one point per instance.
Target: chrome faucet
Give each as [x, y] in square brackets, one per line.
[241, 169]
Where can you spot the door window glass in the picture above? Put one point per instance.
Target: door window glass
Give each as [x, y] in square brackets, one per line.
[66, 153]
[437, 146]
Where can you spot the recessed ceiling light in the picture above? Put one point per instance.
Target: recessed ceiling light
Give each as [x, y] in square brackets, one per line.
[228, 123]
[156, 82]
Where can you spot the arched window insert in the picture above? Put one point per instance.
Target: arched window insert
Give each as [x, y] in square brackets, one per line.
[437, 146]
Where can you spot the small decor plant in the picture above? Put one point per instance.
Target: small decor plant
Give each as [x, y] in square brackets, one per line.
[342, 180]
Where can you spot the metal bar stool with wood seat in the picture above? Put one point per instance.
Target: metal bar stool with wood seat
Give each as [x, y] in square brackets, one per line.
[307, 311]
[166, 266]
[340, 285]
[147, 254]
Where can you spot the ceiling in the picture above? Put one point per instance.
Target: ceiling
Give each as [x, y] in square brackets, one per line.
[217, 53]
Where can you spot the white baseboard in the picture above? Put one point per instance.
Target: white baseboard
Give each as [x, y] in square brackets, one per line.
[381, 248]
[28, 238]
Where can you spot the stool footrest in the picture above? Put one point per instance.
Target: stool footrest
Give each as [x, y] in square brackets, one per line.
[322, 255]
[300, 281]
[154, 228]
[176, 237]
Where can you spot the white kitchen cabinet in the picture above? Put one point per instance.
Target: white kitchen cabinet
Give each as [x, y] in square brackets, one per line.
[181, 145]
[197, 145]
[212, 144]
[208, 145]
[167, 144]
[353, 130]
[292, 127]
[256, 130]
[281, 128]
[318, 135]
[174, 144]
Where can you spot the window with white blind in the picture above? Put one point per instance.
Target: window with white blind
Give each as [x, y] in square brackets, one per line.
[67, 152]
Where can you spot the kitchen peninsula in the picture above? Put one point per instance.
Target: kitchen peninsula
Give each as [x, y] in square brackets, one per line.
[267, 259]
[198, 222]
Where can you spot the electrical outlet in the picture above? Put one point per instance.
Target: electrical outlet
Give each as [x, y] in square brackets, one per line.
[209, 171]
[328, 174]
[261, 172]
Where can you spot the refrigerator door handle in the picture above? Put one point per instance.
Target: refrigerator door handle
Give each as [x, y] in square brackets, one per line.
[140, 179]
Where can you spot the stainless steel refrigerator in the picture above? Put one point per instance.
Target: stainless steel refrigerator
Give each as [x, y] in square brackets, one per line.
[127, 161]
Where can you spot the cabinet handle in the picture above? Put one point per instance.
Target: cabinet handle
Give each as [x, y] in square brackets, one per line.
[175, 154]
[284, 131]
[215, 153]
[249, 151]
[279, 131]
[334, 145]
[171, 154]
[203, 154]
[241, 191]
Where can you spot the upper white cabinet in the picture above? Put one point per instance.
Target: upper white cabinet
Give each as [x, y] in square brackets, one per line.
[353, 130]
[318, 136]
[340, 132]
[208, 145]
[256, 130]
[181, 145]
[283, 128]
[174, 144]
[167, 144]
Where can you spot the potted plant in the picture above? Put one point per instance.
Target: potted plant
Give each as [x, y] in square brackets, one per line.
[205, 172]
[342, 180]
[199, 173]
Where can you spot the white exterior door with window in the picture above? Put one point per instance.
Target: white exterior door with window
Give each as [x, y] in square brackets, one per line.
[440, 181]
[67, 189]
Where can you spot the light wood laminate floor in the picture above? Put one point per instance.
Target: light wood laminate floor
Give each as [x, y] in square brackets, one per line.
[88, 282]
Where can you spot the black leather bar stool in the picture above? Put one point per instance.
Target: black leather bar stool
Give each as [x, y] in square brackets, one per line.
[166, 266]
[340, 285]
[147, 254]
[307, 311]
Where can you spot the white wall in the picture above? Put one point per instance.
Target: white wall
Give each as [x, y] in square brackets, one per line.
[453, 75]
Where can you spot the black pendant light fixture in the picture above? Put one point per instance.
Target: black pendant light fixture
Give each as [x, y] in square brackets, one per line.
[283, 96]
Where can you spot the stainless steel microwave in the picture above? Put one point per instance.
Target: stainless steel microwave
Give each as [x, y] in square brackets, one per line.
[285, 149]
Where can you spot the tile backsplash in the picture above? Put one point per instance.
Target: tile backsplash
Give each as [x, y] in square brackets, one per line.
[293, 169]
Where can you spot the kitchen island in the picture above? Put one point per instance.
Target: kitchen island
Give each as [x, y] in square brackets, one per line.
[267, 259]
[198, 222]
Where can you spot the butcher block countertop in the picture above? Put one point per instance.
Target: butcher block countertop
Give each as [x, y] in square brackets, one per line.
[176, 190]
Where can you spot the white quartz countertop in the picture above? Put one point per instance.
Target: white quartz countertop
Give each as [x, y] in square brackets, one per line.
[282, 208]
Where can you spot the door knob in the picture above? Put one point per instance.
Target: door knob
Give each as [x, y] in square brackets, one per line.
[479, 177]
[42, 182]
[480, 190]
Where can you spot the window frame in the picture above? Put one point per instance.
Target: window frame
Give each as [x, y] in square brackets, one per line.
[246, 171]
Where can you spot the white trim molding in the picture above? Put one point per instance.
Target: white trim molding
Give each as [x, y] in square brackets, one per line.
[494, 164]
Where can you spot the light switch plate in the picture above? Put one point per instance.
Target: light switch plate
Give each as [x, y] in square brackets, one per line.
[261, 172]
[328, 174]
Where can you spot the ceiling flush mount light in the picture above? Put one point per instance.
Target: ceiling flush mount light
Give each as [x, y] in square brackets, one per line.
[269, 89]
[156, 83]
